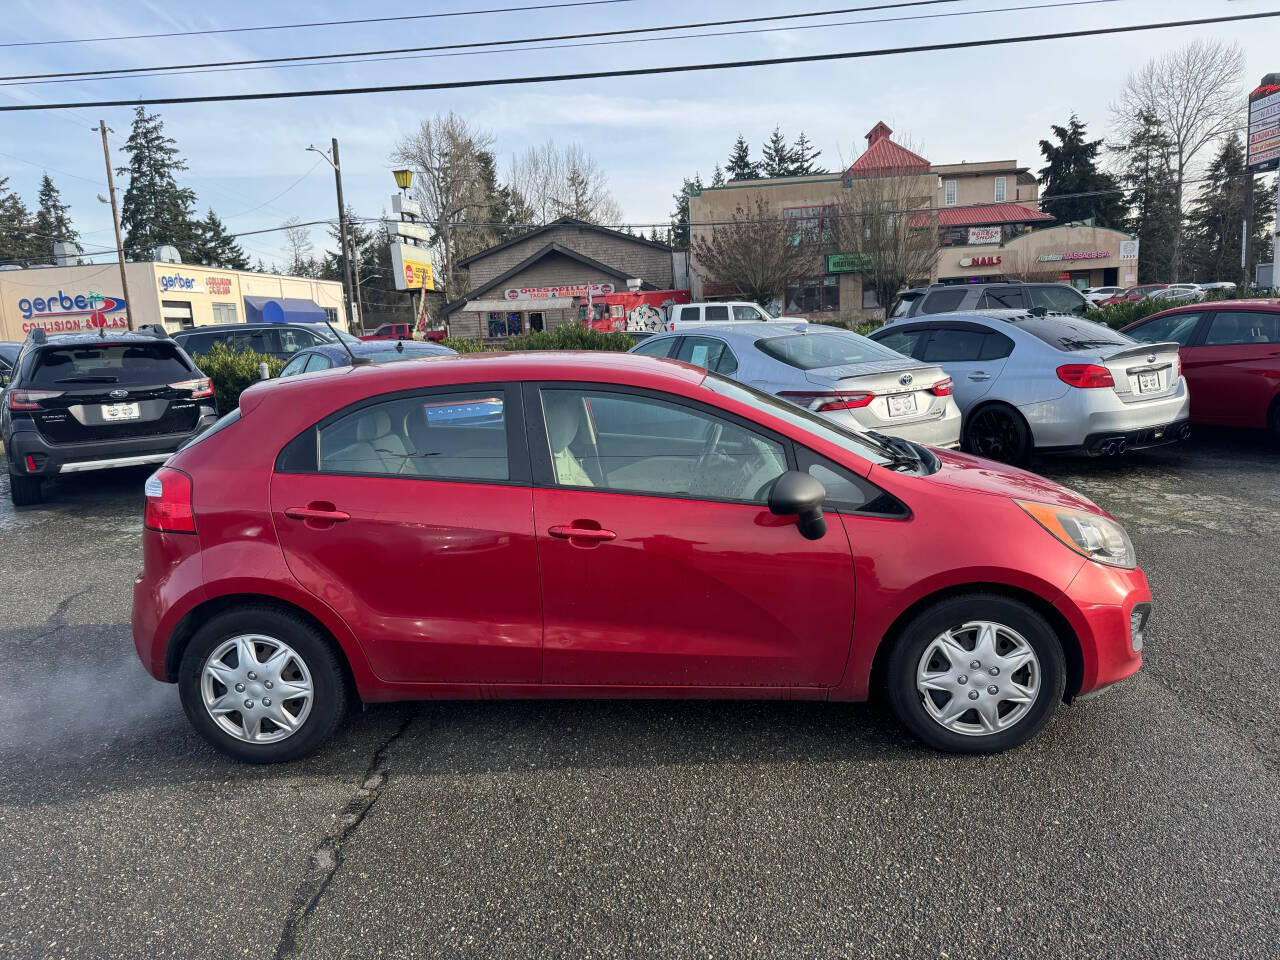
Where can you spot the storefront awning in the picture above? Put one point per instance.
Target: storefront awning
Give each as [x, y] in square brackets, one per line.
[282, 310]
[518, 306]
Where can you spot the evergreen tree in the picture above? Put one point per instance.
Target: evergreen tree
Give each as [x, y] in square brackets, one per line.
[740, 165]
[53, 220]
[1152, 198]
[215, 247]
[16, 242]
[717, 177]
[1215, 221]
[804, 157]
[1072, 169]
[155, 211]
[777, 158]
[680, 216]
[653, 235]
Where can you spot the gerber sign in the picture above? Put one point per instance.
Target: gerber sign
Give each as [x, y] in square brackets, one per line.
[67, 313]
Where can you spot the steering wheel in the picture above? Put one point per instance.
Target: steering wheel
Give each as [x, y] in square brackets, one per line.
[708, 448]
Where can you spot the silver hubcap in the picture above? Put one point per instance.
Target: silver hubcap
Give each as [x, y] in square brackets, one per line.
[256, 688]
[978, 678]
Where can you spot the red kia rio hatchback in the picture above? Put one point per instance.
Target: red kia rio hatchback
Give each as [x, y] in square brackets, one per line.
[599, 525]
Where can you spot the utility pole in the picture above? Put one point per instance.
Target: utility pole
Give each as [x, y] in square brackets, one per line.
[1246, 229]
[342, 231]
[115, 222]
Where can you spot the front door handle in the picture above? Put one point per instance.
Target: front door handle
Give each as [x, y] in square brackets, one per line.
[317, 513]
[979, 376]
[574, 532]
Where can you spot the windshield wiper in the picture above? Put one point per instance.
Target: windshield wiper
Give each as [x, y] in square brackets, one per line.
[902, 453]
[1069, 343]
[88, 380]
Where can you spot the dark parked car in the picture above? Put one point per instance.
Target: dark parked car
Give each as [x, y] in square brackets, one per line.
[957, 297]
[281, 340]
[82, 402]
[8, 357]
[329, 355]
[1230, 357]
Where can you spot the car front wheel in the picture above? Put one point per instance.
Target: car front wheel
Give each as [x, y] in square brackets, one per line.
[262, 685]
[976, 674]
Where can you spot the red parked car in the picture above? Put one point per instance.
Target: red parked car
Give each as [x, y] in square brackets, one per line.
[1230, 357]
[391, 331]
[590, 525]
[1134, 294]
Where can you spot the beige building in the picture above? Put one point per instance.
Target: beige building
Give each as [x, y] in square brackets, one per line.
[546, 277]
[177, 295]
[990, 227]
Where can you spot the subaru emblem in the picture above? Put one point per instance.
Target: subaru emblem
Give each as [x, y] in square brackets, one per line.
[904, 379]
[118, 394]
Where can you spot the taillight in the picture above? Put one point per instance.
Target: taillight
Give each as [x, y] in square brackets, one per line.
[198, 388]
[1177, 367]
[30, 399]
[942, 388]
[169, 502]
[829, 400]
[1085, 375]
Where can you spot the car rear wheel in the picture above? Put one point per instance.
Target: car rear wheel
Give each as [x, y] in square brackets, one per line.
[976, 674]
[1273, 421]
[262, 685]
[998, 433]
[24, 491]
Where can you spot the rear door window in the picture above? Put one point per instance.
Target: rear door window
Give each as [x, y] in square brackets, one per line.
[1242, 326]
[1058, 298]
[996, 346]
[716, 313]
[198, 342]
[127, 364]
[292, 339]
[1003, 298]
[318, 362]
[950, 344]
[1175, 328]
[944, 301]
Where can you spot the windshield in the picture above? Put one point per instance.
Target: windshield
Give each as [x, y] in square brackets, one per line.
[864, 446]
[813, 351]
[1072, 335]
[114, 363]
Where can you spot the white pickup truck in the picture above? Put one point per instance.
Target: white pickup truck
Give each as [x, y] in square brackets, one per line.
[738, 311]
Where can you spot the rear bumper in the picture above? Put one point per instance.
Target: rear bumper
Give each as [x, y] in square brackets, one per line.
[1085, 419]
[943, 431]
[51, 459]
[1108, 609]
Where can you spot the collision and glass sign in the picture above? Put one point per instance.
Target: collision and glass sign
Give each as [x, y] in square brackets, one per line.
[63, 312]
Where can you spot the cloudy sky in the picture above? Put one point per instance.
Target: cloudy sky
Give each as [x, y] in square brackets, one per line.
[248, 160]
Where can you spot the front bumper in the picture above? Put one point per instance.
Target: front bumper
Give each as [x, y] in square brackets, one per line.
[51, 459]
[1109, 610]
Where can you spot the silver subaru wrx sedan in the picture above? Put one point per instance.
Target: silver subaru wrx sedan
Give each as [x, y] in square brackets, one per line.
[829, 370]
[1029, 382]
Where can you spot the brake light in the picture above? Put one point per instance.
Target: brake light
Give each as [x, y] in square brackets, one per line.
[1177, 367]
[942, 388]
[169, 502]
[1085, 375]
[30, 399]
[824, 401]
[198, 388]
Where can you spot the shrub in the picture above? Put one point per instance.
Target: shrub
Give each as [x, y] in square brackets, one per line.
[233, 372]
[572, 336]
[1122, 314]
[463, 344]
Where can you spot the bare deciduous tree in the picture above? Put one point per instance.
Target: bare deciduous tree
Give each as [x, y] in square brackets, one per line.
[752, 256]
[297, 240]
[447, 157]
[1194, 94]
[563, 182]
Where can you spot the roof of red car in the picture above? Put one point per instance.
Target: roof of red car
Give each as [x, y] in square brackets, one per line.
[1269, 305]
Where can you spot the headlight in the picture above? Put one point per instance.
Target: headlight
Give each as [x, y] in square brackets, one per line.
[1088, 534]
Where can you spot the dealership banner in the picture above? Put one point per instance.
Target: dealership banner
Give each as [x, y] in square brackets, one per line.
[412, 267]
[563, 290]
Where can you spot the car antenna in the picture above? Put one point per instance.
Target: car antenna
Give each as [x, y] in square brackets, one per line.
[355, 361]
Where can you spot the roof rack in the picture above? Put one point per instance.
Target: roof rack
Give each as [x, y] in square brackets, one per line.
[38, 335]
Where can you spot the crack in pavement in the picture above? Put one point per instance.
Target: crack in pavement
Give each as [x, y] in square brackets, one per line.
[326, 858]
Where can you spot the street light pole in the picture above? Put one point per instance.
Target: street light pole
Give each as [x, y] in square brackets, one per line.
[352, 309]
[115, 222]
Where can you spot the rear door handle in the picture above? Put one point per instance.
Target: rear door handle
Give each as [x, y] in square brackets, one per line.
[316, 513]
[569, 532]
[979, 375]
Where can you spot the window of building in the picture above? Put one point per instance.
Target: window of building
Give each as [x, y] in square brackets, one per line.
[177, 313]
[537, 321]
[812, 226]
[949, 192]
[869, 299]
[505, 324]
[999, 195]
[331, 315]
[813, 295]
[224, 313]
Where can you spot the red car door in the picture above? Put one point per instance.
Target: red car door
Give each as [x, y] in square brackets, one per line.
[412, 517]
[1234, 373]
[661, 564]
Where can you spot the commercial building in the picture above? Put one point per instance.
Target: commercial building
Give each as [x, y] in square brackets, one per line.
[177, 295]
[550, 275]
[989, 222]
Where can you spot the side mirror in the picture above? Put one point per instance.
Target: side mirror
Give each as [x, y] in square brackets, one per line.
[800, 495]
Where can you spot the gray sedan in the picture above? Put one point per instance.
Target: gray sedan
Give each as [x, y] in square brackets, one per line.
[1050, 382]
[831, 371]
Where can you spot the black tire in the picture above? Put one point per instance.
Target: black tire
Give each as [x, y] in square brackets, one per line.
[25, 491]
[1273, 421]
[331, 690]
[998, 432]
[907, 700]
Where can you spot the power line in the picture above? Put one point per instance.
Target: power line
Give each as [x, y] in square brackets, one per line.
[317, 23]
[123, 71]
[267, 203]
[643, 71]
[272, 65]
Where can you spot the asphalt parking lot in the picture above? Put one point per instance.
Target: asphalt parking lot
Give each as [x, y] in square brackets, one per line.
[1141, 823]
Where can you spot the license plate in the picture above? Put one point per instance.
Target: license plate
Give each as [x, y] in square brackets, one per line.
[120, 411]
[903, 405]
[1148, 382]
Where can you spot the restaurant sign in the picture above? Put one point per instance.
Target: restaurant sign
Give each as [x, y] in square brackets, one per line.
[563, 290]
[1075, 255]
[849, 262]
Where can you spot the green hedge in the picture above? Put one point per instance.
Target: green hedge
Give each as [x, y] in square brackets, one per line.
[571, 336]
[233, 372]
